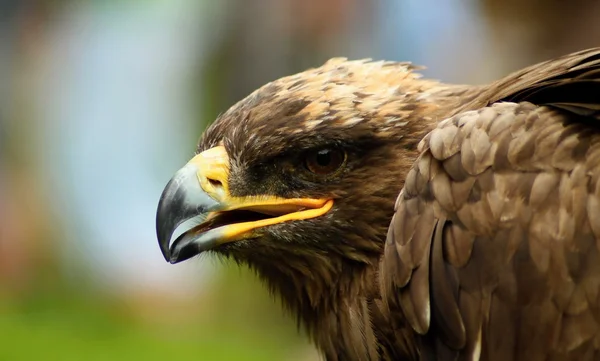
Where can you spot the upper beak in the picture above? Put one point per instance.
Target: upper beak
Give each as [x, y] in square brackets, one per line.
[200, 191]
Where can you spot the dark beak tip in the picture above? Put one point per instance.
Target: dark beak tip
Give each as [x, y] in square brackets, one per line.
[183, 249]
[181, 200]
[164, 222]
[166, 256]
[163, 244]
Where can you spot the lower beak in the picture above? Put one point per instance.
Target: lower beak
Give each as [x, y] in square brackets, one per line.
[197, 199]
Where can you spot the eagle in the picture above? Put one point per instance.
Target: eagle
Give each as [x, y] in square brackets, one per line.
[400, 218]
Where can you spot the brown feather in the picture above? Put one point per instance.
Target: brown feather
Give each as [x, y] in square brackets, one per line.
[521, 279]
[493, 193]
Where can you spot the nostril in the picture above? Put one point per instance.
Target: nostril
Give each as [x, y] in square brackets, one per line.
[215, 183]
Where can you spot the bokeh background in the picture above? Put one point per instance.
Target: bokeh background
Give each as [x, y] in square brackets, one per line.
[101, 101]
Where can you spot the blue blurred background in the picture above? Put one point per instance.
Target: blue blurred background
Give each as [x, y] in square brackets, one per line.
[102, 101]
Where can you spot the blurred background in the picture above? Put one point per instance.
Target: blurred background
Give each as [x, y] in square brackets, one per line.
[102, 101]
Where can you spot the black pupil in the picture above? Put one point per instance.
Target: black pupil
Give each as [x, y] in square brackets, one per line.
[324, 157]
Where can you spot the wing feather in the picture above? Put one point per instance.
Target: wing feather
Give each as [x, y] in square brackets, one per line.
[494, 250]
[508, 228]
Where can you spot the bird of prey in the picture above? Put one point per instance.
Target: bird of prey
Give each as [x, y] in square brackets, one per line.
[400, 218]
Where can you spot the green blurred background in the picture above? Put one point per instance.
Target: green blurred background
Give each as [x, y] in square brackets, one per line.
[101, 101]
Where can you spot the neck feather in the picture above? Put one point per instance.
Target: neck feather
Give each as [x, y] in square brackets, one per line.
[331, 299]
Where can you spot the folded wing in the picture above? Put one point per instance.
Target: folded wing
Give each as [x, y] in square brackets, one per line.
[494, 250]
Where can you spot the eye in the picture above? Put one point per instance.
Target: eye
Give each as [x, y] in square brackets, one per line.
[325, 161]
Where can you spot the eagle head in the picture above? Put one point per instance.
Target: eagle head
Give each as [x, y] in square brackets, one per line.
[299, 179]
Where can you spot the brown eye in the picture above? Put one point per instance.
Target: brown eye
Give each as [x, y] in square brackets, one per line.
[325, 161]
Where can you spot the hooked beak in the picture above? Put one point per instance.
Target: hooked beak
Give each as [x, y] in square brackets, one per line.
[200, 192]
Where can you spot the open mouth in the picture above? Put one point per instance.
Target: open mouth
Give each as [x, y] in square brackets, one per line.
[214, 221]
[221, 219]
[233, 225]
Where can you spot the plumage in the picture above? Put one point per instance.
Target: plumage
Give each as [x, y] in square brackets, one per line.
[465, 222]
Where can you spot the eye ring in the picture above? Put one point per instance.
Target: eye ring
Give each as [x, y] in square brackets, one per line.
[325, 161]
